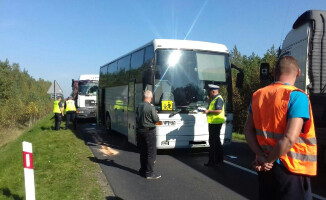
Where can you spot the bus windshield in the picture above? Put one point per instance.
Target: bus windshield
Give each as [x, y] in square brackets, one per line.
[87, 88]
[181, 75]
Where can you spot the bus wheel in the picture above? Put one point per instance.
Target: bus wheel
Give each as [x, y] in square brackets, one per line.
[108, 123]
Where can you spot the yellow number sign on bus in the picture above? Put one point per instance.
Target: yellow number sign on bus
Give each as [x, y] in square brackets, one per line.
[167, 105]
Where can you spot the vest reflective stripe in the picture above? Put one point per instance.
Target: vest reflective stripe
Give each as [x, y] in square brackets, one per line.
[294, 155]
[216, 118]
[56, 108]
[70, 105]
[278, 136]
[269, 108]
[303, 157]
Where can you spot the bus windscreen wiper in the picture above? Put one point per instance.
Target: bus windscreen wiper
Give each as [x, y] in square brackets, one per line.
[174, 113]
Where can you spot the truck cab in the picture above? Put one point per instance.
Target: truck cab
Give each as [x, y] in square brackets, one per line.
[307, 43]
[85, 95]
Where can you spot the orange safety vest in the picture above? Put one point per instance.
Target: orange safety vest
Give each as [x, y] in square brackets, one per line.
[269, 108]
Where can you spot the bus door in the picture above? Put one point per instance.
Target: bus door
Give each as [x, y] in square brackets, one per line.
[131, 113]
[101, 106]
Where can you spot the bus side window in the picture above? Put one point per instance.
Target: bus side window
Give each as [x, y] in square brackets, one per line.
[137, 59]
[149, 55]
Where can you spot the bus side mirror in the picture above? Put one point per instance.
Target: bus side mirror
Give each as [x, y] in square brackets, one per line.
[264, 71]
[240, 78]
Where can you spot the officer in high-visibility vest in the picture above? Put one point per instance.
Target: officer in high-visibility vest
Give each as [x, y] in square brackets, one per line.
[215, 118]
[280, 131]
[58, 113]
[70, 112]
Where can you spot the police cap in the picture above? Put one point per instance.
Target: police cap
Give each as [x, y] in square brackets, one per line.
[213, 87]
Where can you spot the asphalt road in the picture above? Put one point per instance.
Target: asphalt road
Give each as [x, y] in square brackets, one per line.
[183, 174]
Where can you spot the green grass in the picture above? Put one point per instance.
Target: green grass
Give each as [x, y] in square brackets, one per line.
[62, 167]
[238, 137]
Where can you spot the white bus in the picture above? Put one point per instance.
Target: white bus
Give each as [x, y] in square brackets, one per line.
[178, 73]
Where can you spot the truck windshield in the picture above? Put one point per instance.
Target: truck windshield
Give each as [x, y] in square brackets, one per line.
[87, 88]
[181, 76]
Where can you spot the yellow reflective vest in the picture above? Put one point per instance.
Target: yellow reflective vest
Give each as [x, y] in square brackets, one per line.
[213, 118]
[56, 108]
[70, 105]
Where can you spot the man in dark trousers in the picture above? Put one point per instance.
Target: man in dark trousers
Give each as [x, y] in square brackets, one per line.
[58, 113]
[215, 118]
[146, 117]
[70, 112]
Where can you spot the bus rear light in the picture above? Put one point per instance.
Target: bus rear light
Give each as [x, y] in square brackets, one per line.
[159, 123]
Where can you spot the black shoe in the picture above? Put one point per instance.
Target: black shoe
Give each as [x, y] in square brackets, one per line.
[142, 174]
[154, 176]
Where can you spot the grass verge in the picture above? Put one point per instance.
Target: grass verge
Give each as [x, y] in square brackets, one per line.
[238, 137]
[62, 167]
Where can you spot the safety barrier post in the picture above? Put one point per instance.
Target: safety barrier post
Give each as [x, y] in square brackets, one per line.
[28, 171]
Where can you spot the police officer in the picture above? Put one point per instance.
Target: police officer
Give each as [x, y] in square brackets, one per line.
[146, 117]
[58, 112]
[215, 118]
[70, 112]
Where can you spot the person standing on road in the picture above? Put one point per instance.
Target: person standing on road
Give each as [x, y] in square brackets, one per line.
[146, 117]
[280, 131]
[70, 113]
[215, 118]
[58, 113]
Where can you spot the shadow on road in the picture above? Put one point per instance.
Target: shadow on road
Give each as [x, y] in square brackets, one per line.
[111, 163]
[113, 198]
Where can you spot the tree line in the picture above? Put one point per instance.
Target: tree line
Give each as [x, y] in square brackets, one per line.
[23, 100]
[251, 67]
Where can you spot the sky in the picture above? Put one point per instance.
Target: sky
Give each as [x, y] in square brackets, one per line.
[60, 40]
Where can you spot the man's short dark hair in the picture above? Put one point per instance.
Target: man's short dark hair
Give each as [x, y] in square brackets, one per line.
[286, 65]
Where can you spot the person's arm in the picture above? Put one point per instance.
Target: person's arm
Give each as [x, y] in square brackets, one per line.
[218, 107]
[61, 108]
[283, 146]
[213, 111]
[154, 115]
[250, 134]
[260, 163]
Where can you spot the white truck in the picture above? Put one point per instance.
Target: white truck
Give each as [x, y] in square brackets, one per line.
[84, 92]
